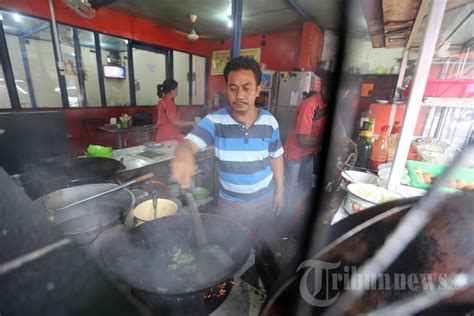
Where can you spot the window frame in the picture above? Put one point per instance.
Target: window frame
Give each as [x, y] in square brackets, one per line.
[132, 43]
[168, 52]
[190, 71]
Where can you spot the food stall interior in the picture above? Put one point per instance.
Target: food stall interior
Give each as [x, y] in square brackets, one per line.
[392, 184]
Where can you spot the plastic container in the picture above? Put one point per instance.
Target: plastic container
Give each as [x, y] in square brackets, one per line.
[393, 141]
[99, 151]
[384, 173]
[380, 149]
[436, 170]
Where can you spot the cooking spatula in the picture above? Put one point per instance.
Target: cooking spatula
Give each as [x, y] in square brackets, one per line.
[205, 248]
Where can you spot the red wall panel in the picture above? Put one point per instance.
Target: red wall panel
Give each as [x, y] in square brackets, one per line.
[281, 52]
[112, 22]
[311, 47]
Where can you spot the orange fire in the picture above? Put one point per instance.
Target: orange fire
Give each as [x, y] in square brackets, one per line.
[222, 291]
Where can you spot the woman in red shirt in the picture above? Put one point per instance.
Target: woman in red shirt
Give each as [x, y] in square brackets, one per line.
[169, 122]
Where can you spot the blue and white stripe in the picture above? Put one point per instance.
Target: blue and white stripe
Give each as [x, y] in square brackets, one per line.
[243, 161]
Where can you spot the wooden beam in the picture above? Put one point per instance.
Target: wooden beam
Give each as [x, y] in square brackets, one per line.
[399, 18]
[392, 26]
[373, 14]
[420, 16]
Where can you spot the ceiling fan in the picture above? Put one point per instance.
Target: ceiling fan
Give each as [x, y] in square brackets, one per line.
[86, 8]
[192, 36]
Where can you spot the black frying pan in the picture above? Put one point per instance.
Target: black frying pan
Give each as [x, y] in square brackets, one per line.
[81, 170]
[161, 256]
[57, 173]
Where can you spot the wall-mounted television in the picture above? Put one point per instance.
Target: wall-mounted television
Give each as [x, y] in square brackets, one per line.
[117, 72]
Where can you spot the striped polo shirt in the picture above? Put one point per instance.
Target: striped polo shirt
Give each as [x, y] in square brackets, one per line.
[242, 155]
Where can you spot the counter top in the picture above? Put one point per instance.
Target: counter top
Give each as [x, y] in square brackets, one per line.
[142, 156]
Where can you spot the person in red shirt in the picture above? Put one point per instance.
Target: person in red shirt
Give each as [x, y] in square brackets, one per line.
[302, 143]
[169, 121]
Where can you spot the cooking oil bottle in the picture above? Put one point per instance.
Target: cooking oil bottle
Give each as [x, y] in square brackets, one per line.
[380, 149]
[393, 140]
[364, 148]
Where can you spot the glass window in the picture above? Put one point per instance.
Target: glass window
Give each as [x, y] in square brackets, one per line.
[114, 60]
[89, 67]
[32, 57]
[4, 98]
[180, 73]
[199, 80]
[87, 59]
[66, 40]
[149, 70]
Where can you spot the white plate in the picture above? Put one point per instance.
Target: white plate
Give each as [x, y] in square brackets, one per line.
[152, 145]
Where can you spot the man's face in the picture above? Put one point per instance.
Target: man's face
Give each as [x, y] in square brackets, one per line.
[242, 90]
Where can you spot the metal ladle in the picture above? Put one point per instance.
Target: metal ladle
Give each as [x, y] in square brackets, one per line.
[155, 203]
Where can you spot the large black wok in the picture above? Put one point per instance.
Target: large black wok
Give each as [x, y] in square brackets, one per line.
[161, 257]
[59, 172]
[76, 169]
[85, 221]
[443, 247]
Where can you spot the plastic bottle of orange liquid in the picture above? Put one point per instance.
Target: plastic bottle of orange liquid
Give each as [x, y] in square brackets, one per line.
[393, 140]
[380, 149]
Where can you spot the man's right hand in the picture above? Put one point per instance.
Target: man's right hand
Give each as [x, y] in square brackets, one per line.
[183, 165]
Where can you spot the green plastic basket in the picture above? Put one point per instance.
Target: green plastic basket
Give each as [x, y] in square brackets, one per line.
[436, 170]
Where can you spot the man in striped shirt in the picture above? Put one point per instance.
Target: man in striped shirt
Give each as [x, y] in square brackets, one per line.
[247, 147]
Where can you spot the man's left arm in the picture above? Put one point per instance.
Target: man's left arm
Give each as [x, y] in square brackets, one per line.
[278, 174]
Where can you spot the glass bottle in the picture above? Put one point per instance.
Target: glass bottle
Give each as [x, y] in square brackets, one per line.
[364, 149]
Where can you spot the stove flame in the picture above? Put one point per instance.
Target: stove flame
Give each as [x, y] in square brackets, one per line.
[222, 289]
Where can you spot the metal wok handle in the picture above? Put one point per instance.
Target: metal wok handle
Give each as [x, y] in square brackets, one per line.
[126, 184]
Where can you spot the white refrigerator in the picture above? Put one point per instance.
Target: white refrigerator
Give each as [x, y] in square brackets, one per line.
[290, 87]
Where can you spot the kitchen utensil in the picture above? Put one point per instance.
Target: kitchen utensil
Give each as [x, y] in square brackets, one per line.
[206, 249]
[144, 211]
[99, 151]
[155, 202]
[354, 176]
[126, 184]
[147, 258]
[85, 221]
[361, 196]
[152, 145]
[442, 248]
[56, 173]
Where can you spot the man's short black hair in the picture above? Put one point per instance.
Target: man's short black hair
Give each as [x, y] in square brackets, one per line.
[245, 63]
